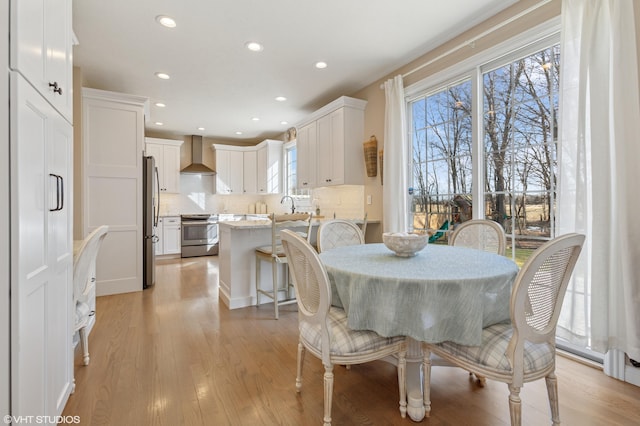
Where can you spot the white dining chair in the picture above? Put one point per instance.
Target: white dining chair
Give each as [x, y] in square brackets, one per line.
[523, 350]
[481, 234]
[323, 328]
[337, 233]
[83, 265]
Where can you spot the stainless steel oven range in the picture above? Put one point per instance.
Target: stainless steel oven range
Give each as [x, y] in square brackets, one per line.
[199, 235]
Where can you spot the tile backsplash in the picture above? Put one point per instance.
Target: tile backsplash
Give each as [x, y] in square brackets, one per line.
[197, 196]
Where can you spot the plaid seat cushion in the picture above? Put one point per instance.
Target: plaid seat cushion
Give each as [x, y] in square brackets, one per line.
[345, 340]
[491, 353]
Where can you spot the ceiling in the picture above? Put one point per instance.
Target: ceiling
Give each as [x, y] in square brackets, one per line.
[218, 84]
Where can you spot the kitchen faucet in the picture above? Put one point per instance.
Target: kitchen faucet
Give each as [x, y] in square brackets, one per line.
[293, 205]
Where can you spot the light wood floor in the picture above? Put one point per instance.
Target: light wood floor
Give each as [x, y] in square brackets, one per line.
[175, 355]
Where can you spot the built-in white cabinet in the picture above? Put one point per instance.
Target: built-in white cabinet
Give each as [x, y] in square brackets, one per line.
[269, 167]
[42, 253]
[307, 151]
[249, 170]
[39, 80]
[167, 155]
[41, 49]
[329, 145]
[229, 170]
[113, 144]
[171, 235]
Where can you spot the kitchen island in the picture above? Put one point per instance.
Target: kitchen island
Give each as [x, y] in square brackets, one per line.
[237, 260]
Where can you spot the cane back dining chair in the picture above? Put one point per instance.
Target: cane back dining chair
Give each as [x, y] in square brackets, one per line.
[274, 254]
[481, 234]
[323, 328]
[523, 350]
[337, 233]
[83, 279]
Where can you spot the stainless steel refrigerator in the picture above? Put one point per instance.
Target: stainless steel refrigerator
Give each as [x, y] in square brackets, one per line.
[151, 212]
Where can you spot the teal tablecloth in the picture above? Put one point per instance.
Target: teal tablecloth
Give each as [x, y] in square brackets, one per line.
[442, 294]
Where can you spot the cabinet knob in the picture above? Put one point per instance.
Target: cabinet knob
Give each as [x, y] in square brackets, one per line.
[56, 89]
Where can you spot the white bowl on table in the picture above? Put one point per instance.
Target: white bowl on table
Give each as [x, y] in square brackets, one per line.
[404, 244]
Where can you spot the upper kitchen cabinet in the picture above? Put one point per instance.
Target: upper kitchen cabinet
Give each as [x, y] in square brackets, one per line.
[229, 169]
[307, 150]
[337, 131]
[41, 49]
[249, 170]
[167, 155]
[269, 167]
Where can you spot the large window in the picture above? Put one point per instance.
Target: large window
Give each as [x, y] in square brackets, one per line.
[498, 163]
[442, 169]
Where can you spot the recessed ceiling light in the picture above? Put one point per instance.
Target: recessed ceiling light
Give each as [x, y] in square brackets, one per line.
[166, 21]
[238, 133]
[200, 128]
[321, 65]
[281, 99]
[256, 119]
[284, 122]
[160, 105]
[254, 46]
[158, 123]
[163, 75]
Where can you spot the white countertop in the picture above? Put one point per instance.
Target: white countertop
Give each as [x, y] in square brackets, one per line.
[257, 224]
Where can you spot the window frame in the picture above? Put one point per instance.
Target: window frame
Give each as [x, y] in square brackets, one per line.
[473, 68]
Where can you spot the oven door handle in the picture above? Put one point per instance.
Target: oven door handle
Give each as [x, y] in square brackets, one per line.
[198, 223]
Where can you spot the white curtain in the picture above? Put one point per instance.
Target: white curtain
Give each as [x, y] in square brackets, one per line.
[395, 166]
[599, 166]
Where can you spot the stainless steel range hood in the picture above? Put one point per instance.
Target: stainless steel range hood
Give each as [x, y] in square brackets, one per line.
[197, 166]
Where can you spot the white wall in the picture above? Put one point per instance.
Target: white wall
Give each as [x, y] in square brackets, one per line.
[5, 341]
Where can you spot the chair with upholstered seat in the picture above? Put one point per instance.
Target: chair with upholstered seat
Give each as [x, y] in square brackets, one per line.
[323, 328]
[337, 233]
[274, 254]
[481, 234]
[523, 350]
[83, 266]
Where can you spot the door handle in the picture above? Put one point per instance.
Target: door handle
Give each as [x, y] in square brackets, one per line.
[59, 192]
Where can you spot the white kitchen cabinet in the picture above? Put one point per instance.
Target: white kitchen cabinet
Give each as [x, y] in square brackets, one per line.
[229, 170]
[269, 167]
[171, 235]
[307, 151]
[336, 131]
[42, 253]
[112, 148]
[167, 155]
[249, 172]
[41, 49]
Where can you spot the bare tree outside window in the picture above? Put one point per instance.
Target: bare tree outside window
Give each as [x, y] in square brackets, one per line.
[518, 164]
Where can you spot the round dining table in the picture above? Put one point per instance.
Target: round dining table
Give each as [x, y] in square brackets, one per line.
[443, 293]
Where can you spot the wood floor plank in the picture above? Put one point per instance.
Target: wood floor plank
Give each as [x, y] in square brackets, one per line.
[175, 355]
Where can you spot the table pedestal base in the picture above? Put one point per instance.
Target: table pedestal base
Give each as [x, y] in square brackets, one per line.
[415, 395]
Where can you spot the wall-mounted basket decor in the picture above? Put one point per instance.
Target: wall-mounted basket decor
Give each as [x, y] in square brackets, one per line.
[370, 152]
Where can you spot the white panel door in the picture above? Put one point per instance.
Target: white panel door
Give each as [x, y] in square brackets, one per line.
[113, 140]
[41, 182]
